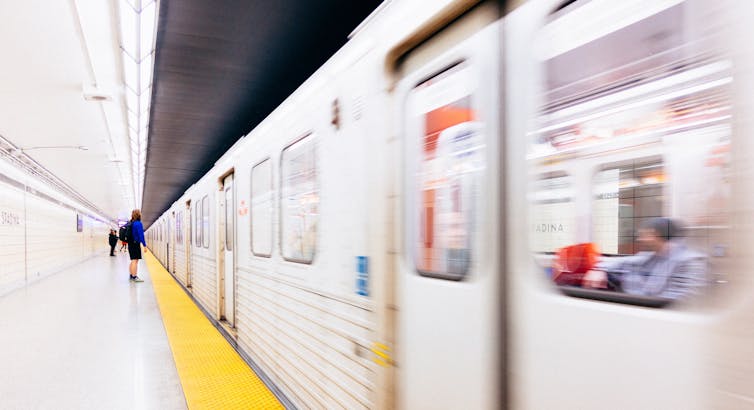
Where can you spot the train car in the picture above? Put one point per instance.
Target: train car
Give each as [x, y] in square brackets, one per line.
[394, 234]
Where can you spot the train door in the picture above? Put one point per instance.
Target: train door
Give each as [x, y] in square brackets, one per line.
[187, 241]
[162, 243]
[448, 332]
[228, 266]
[600, 154]
[172, 240]
[167, 243]
[159, 243]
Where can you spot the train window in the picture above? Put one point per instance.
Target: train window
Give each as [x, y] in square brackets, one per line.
[553, 217]
[646, 134]
[179, 228]
[229, 218]
[190, 236]
[446, 166]
[198, 225]
[299, 207]
[205, 221]
[261, 209]
[626, 195]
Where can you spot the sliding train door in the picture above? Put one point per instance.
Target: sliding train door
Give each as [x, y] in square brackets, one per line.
[168, 225]
[172, 241]
[188, 240]
[448, 332]
[622, 159]
[228, 224]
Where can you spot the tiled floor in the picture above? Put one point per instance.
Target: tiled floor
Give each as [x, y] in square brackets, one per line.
[86, 338]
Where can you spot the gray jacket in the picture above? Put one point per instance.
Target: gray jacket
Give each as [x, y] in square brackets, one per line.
[678, 274]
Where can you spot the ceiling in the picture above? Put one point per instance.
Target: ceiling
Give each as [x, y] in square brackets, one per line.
[221, 67]
[51, 50]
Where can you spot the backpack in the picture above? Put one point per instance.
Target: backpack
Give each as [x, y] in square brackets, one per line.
[122, 233]
[128, 235]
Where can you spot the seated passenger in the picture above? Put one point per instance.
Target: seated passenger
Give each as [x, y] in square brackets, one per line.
[665, 268]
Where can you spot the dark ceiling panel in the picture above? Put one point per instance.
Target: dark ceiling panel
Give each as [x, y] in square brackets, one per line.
[221, 67]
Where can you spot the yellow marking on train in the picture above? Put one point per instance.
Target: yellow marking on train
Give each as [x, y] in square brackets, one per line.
[380, 350]
[381, 354]
[212, 373]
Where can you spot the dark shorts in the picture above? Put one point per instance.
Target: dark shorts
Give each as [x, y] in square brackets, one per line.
[134, 250]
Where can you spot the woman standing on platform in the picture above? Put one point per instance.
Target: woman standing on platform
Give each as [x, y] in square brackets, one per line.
[135, 240]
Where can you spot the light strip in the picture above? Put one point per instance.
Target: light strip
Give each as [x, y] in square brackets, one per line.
[635, 137]
[659, 98]
[668, 82]
[138, 26]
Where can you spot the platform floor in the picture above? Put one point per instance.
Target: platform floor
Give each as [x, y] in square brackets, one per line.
[88, 338]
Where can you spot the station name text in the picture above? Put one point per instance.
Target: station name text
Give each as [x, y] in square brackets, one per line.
[9, 218]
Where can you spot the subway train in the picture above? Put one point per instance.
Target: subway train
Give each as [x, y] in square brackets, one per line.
[393, 234]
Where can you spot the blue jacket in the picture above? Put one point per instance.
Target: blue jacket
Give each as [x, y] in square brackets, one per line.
[137, 233]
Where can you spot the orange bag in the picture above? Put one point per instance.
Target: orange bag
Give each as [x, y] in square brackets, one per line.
[573, 262]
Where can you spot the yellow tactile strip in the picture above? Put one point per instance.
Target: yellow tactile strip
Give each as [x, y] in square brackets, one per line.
[212, 373]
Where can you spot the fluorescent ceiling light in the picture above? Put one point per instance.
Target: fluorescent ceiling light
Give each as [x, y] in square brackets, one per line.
[148, 16]
[145, 78]
[130, 72]
[138, 29]
[144, 101]
[133, 120]
[131, 98]
[128, 27]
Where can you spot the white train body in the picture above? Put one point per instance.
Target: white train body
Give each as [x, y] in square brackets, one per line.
[379, 240]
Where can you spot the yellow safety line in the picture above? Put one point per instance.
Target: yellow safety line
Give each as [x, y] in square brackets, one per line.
[212, 373]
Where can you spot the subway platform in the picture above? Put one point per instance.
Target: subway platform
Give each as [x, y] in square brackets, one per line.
[88, 338]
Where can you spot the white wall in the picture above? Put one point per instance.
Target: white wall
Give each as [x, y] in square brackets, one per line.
[38, 234]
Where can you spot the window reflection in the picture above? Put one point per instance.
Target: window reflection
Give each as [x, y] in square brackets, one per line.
[553, 221]
[261, 209]
[300, 200]
[645, 186]
[449, 164]
[205, 221]
[626, 195]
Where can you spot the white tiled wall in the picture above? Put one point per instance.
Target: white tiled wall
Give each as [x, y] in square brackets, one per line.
[38, 237]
